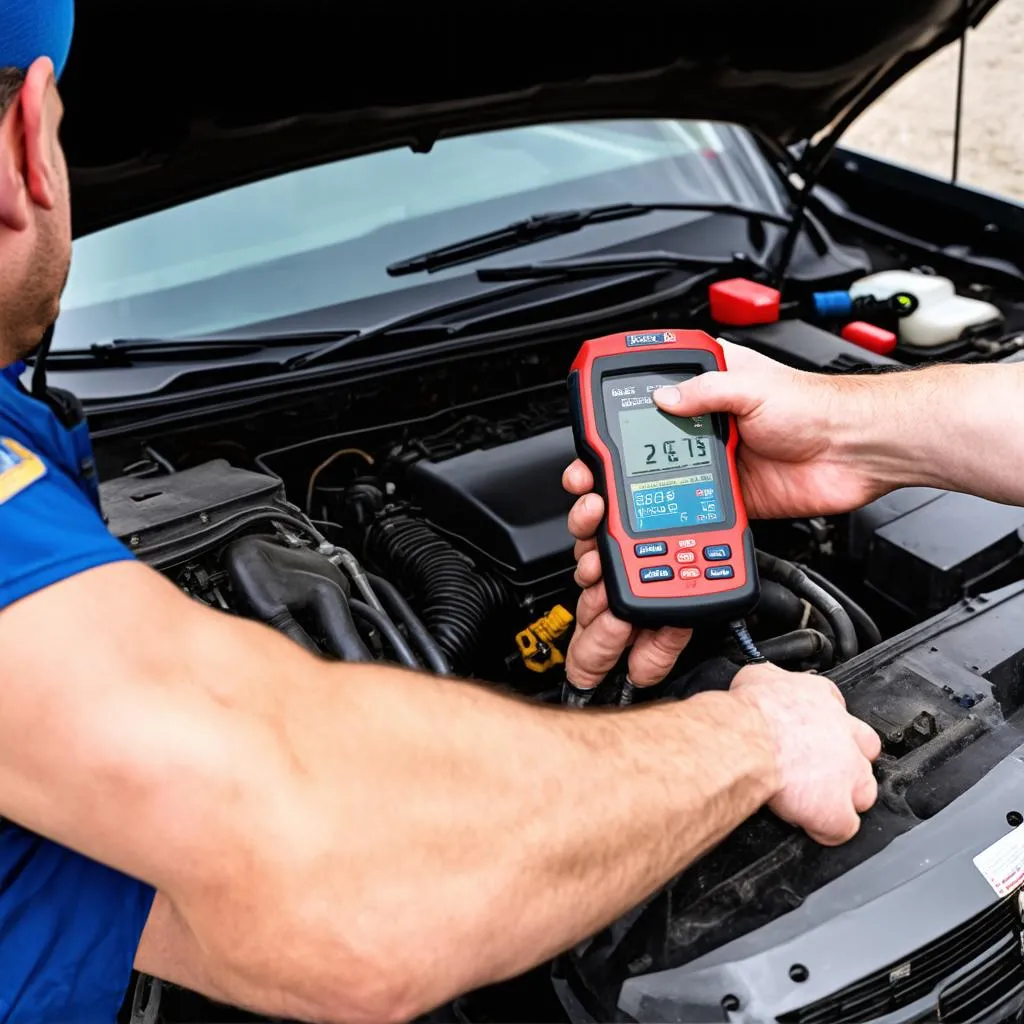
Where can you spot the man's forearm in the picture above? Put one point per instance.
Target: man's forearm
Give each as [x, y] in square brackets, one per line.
[955, 427]
[339, 841]
[495, 853]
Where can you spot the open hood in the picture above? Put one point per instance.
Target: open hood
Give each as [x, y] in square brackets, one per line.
[169, 100]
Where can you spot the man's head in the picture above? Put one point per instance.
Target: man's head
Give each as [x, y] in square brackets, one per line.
[35, 212]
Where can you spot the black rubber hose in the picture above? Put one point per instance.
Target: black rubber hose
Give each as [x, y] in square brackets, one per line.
[803, 586]
[456, 600]
[802, 645]
[334, 614]
[780, 605]
[867, 629]
[388, 630]
[272, 582]
[285, 623]
[400, 610]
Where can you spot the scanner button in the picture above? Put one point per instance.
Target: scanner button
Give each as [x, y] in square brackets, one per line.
[656, 574]
[650, 549]
[719, 572]
[718, 553]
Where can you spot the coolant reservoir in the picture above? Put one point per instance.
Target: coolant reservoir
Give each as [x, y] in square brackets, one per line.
[941, 316]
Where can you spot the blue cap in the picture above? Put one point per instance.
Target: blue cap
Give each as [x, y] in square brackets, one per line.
[35, 28]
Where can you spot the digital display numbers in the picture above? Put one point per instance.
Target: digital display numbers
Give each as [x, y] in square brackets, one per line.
[669, 461]
[652, 441]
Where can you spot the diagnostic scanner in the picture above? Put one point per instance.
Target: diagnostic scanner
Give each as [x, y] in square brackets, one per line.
[675, 545]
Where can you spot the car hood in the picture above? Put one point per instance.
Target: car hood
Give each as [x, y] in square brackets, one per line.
[169, 100]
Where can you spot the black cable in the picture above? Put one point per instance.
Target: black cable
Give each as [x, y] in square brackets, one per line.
[801, 646]
[39, 388]
[746, 642]
[387, 630]
[398, 608]
[803, 586]
[867, 629]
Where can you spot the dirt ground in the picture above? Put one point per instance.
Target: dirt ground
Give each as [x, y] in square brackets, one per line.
[913, 122]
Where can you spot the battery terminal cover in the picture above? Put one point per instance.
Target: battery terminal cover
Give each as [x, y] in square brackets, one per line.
[536, 643]
[740, 302]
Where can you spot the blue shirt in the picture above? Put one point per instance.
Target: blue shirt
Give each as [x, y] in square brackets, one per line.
[69, 927]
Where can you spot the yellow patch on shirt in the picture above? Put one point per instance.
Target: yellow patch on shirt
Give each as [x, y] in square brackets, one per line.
[18, 468]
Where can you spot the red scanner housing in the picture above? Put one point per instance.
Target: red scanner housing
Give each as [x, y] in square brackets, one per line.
[675, 544]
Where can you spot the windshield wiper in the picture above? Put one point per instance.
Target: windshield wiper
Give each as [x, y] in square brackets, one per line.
[124, 352]
[425, 318]
[619, 263]
[563, 222]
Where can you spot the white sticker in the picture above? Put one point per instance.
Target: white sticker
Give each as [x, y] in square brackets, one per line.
[1002, 863]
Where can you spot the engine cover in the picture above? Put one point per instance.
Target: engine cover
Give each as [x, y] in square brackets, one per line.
[506, 504]
[161, 518]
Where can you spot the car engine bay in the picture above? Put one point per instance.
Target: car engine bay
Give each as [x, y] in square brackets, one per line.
[415, 515]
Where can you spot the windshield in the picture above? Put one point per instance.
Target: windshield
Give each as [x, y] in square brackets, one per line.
[323, 236]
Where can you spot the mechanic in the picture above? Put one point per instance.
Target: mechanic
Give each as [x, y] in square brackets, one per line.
[196, 795]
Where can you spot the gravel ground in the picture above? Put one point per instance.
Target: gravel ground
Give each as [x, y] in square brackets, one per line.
[913, 122]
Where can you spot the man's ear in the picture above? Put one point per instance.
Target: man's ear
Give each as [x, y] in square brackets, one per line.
[40, 128]
[14, 196]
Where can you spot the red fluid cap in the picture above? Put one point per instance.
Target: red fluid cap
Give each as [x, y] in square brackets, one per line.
[874, 339]
[740, 302]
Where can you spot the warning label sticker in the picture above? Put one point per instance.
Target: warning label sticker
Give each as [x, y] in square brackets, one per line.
[1002, 863]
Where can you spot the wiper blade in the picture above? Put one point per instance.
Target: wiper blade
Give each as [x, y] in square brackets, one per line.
[562, 222]
[618, 263]
[326, 353]
[130, 351]
[431, 318]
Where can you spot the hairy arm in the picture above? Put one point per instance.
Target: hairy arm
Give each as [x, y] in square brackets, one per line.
[334, 841]
[957, 427]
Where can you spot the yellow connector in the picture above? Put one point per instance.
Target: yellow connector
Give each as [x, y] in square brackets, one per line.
[536, 643]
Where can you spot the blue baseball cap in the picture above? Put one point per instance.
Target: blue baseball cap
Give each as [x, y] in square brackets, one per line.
[30, 29]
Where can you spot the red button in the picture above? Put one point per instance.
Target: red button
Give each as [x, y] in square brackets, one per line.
[689, 574]
[688, 542]
[685, 556]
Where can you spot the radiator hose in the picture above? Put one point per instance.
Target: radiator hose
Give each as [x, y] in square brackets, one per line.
[456, 601]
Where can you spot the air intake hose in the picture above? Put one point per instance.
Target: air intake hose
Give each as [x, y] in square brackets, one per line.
[455, 600]
[272, 582]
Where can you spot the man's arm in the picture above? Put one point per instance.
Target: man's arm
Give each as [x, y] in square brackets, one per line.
[815, 444]
[955, 427]
[337, 842]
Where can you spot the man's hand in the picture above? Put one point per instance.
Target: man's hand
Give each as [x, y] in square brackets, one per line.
[600, 638]
[791, 460]
[823, 754]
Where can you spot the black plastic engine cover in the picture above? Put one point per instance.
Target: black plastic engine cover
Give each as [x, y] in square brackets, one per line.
[924, 549]
[506, 503]
[158, 517]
